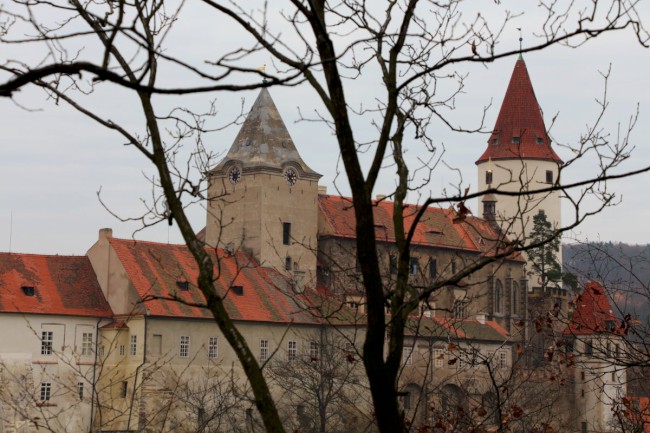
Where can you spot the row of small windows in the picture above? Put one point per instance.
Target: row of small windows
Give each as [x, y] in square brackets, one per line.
[414, 266]
[489, 176]
[46, 391]
[460, 358]
[47, 343]
[517, 140]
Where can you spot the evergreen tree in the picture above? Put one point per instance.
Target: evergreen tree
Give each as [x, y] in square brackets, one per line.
[544, 258]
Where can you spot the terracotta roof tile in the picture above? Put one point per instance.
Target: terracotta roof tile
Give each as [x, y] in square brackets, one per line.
[592, 313]
[154, 270]
[436, 228]
[520, 116]
[62, 285]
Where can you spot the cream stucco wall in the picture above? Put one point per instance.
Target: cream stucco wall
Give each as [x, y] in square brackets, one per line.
[24, 369]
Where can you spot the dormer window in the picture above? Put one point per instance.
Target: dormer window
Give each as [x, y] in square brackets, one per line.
[539, 140]
[237, 290]
[183, 285]
[28, 290]
[516, 140]
[495, 141]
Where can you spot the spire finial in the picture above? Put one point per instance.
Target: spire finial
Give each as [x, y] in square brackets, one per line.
[520, 43]
[262, 69]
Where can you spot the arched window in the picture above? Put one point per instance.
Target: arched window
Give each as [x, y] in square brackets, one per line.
[515, 298]
[498, 296]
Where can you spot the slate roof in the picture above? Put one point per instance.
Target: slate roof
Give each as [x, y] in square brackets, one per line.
[436, 228]
[63, 285]
[154, 270]
[520, 116]
[264, 142]
[592, 312]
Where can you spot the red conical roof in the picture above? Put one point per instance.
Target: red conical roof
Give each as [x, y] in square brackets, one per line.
[519, 131]
[592, 313]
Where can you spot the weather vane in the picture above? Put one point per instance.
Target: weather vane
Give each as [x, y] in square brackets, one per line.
[520, 39]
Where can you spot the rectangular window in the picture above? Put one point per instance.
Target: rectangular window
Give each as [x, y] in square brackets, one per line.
[264, 350]
[292, 352]
[583, 427]
[433, 268]
[46, 391]
[133, 347]
[313, 350]
[503, 359]
[124, 387]
[184, 348]
[102, 351]
[414, 266]
[122, 351]
[488, 177]
[213, 348]
[47, 337]
[80, 389]
[589, 350]
[286, 233]
[453, 267]
[407, 355]
[549, 176]
[438, 358]
[392, 258]
[516, 140]
[86, 343]
[459, 309]
[287, 263]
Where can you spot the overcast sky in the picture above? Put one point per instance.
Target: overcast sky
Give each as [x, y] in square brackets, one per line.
[54, 161]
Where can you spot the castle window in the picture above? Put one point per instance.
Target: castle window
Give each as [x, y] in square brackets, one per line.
[498, 297]
[460, 309]
[46, 391]
[414, 266]
[264, 350]
[488, 177]
[515, 298]
[47, 338]
[539, 140]
[392, 263]
[433, 268]
[292, 352]
[313, 350]
[453, 267]
[287, 263]
[213, 347]
[122, 350]
[28, 290]
[123, 389]
[516, 140]
[184, 347]
[407, 355]
[286, 233]
[86, 343]
[438, 357]
[495, 141]
[589, 350]
[183, 285]
[80, 390]
[133, 348]
[237, 290]
[549, 176]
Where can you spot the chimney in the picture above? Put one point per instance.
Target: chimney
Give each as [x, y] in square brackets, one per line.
[322, 189]
[105, 233]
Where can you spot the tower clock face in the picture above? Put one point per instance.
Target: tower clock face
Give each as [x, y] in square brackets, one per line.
[291, 176]
[234, 175]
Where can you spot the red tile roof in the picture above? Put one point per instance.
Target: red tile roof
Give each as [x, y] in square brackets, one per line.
[520, 116]
[436, 228]
[63, 285]
[154, 270]
[592, 313]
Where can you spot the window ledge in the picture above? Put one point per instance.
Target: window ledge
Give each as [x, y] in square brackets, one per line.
[45, 404]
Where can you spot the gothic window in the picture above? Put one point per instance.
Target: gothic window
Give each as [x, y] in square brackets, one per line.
[498, 296]
[515, 298]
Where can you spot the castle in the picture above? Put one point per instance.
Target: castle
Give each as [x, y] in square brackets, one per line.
[118, 340]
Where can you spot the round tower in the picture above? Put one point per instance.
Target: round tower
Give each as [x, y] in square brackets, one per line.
[519, 158]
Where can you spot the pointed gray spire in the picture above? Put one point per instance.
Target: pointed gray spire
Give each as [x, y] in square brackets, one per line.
[263, 142]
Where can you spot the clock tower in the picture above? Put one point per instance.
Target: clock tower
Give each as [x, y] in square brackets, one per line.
[262, 197]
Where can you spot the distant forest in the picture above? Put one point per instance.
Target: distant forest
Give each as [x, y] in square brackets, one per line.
[623, 269]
